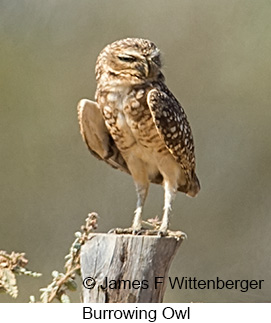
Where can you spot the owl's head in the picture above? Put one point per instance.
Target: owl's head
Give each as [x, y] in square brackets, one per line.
[133, 60]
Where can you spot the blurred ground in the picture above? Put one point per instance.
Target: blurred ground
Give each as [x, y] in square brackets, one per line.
[216, 62]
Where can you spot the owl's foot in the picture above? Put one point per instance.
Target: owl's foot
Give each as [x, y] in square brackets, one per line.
[138, 232]
[124, 231]
[161, 233]
[156, 231]
[177, 234]
[152, 232]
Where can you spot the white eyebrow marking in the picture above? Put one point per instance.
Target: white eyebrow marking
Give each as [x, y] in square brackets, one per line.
[156, 52]
[132, 53]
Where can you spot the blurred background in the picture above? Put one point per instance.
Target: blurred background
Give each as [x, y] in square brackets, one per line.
[216, 62]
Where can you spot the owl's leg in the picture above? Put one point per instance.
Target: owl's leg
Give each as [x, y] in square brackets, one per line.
[142, 191]
[171, 172]
[170, 193]
[140, 176]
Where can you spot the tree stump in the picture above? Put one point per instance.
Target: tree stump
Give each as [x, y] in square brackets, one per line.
[126, 268]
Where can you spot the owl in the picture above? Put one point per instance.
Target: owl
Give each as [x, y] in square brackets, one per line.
[138, 126]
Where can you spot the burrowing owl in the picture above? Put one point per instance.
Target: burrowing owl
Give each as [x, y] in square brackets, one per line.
[137, 125]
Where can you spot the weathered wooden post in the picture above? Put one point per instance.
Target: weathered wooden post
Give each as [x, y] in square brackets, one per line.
[125, 268]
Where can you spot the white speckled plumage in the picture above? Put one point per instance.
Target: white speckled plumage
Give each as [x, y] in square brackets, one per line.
[146, 129]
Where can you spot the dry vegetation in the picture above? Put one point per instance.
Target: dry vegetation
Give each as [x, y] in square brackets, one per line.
[14, 264]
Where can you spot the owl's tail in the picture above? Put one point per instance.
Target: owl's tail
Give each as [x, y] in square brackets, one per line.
[194, 186]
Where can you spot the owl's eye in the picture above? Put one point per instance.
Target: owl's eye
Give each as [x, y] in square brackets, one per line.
[156, 60]
[126, 58]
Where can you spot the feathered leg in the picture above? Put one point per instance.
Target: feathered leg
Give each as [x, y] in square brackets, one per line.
[171, 173]
[170, 193]
[142, 191]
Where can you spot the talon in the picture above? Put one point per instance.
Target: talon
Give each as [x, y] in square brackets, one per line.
[117, 231]
[177, 234]
[141, 232]
[162, 233]
[111, 231]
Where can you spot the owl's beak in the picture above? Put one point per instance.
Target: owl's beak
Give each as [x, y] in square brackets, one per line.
[149, 67]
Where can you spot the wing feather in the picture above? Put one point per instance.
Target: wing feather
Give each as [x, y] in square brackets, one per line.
[173, 127]
[96, 135]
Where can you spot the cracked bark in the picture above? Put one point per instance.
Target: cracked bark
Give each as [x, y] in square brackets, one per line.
[125, 267]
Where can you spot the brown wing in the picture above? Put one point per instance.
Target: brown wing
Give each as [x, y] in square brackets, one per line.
[98, 139]
[173, 127]
[96, 135]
